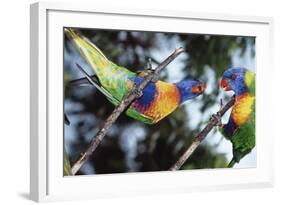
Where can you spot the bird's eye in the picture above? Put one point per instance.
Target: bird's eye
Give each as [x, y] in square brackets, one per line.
[233, 77]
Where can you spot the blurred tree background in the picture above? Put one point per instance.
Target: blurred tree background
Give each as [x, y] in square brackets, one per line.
[131, 146]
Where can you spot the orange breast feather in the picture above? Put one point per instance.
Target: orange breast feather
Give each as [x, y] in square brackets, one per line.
[166, 101]
[242, 109]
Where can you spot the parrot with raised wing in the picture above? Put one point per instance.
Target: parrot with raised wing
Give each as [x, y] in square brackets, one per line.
[240, 129]
[158, 99]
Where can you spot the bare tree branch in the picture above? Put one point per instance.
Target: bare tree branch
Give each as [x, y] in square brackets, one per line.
[126, 101]
[215, 120]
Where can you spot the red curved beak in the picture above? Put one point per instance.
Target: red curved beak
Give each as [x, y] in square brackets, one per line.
[224, 84]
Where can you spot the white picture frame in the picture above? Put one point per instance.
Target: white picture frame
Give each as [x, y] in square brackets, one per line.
[46, 176]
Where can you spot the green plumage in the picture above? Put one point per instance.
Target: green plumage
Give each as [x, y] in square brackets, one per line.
[113, 78]
[240, 129]
[244, 139]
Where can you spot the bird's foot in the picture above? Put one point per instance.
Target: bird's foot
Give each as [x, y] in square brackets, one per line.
[155, 79]
[147, 70]
[138, 92]
[150, 70]
[217, 118]
[144, 73]
[149, 64]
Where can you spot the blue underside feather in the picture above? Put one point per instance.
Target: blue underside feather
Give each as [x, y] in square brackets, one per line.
[230, 127]
[149, 92]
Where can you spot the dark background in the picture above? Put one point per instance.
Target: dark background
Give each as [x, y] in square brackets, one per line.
[132, 146]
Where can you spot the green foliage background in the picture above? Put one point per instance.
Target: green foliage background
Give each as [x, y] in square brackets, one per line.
[157, 147]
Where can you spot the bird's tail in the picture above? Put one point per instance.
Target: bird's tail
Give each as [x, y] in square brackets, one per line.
[231, 163]
[92, 54]
[83, 81]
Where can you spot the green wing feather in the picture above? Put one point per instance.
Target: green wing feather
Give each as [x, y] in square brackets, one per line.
[243, 140]
[114, 80]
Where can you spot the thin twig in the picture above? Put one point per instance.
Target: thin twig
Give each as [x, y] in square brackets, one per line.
[135, 93]
[215, 120]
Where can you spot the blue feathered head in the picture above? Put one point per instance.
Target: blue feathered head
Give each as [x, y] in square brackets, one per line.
[190, 89]
[234, 79]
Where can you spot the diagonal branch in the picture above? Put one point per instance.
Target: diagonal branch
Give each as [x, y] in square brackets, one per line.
[135, 93]
[215, 120]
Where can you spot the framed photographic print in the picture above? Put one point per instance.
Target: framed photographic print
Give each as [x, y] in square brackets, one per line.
[123, 98]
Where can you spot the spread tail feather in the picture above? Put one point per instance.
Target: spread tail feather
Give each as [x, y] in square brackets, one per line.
[82, 81]
[112, 77]
[92, 54]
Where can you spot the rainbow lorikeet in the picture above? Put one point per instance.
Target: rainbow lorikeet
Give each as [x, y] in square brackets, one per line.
[159, 98]
[240, 129]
